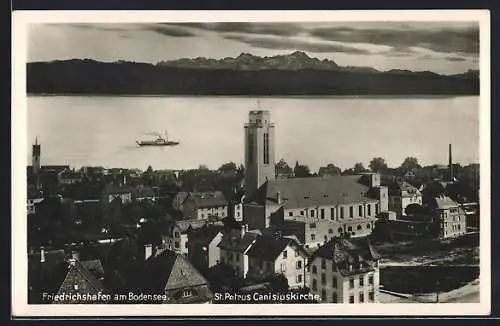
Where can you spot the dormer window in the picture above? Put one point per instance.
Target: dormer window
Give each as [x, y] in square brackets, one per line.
[75, 287]
[187, 293]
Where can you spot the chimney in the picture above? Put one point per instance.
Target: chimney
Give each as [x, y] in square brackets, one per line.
[278, 197]
[244, 228]
[75, 255]
[148, 251]
[42, 255]
[450, 162]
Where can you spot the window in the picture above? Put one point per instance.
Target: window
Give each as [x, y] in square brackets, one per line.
[361, 281]
[313, 237]
[369, 209]
[285, 254]
[187, 293]
[360, 210]
[290, 213]
[351, 211]
[361, 297]
[349, 229]
[296, 253]
[351, 283]
[299, 278]
[340, 230]
[332, 213]
[334, 297]
[376, 208]
[314, 284]
[371, 296]
[351, 299]
[368, 226]
[323, 278]
[185, 245]
[302, 213]
[330, 231]
[323, 264]
[359, 227]
[323, 295]
[370, 279]
[237, 257]
[314, 270]
[341, 212]
[299, 264]
[322, 213]
[266, 148]
[334, 282]
[176, 245]
[283, 267]
[312, 212]
[312, 225]
[177, 234]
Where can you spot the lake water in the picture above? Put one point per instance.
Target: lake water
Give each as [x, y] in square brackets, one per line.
[102, 131]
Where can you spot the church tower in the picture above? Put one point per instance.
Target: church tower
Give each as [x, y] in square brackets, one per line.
[35, 161]
[259, 150]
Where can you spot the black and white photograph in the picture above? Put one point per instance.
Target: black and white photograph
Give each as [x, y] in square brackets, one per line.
[286, 163]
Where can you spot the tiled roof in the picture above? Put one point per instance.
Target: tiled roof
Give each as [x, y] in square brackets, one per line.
[114, 189]
[79, 275]
[358, 253]
[168, 270]
[314, 191]
[94, 266]
[208, 199]
[233, 241]
[185, 225]
[269, 247]
[144, 192]
[206, 234]
[444, 202]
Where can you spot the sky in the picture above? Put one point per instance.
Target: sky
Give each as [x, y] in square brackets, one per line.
[441, 47]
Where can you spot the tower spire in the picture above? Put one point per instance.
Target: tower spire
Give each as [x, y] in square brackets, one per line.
[450, 162]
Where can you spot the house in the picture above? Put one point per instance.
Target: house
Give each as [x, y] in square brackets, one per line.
[46, 271]
[402, 194]
[276, 254]
[202, 205]
[170, 278]
[176, 238]
[122, 193]
[80, 285]
[69, 177]
[351, 202]
[345, 271]
[203, 250]
[34, 198]
[144, 193]
[233, 248]
[451, 216]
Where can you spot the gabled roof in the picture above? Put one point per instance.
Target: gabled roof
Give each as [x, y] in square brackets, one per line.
[233, 241]
[314, 191]
[168, 270]
[185, 225]
[208, 199]
[205, 234]
[79, 275]
[443, 202]
[357, 253]
[94, 266]
[269, 247]
[115, 189]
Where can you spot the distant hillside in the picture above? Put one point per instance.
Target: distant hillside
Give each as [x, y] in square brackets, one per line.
[294, 74]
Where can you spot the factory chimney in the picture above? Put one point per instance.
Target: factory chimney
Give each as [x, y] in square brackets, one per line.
[450, 163]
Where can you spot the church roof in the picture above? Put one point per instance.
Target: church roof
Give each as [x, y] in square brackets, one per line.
[313, 191]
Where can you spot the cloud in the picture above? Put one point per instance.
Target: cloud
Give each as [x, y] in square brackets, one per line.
[456, 39]
[169, 30]
[455, 59]
[277, 29]
[98, 26]
[293, 44]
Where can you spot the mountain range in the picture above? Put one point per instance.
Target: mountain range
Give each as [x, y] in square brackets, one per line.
[246, 74]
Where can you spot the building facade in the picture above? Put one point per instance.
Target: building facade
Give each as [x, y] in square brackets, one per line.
[259, 150]
[202, 205]
[402, 194]
[233, 248]
[270, 255]
[345, 271]
[451, 216]
[203, 246]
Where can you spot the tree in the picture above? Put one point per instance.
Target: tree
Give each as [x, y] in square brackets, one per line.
[410, 163]
[228, 167]
[282, 167]
[377, 164]
[329, 170]
[359, 168]
[301, 171]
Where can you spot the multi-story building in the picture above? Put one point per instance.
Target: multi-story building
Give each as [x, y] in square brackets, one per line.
[233, 248]
[345, 271]
[122, 193]
[349, 203]
[259, 150]
[402, 194]
[202, 205]
[203, 250]
[451, 217]
[34, 198]
[270, 255]
[176, 238]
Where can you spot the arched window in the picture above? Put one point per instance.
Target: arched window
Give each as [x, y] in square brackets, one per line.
[359, 227]
[368, 226]
[340, 230]
[349, 229]
[330, 231]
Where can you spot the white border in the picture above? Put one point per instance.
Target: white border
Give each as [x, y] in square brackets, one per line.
[20, 308]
